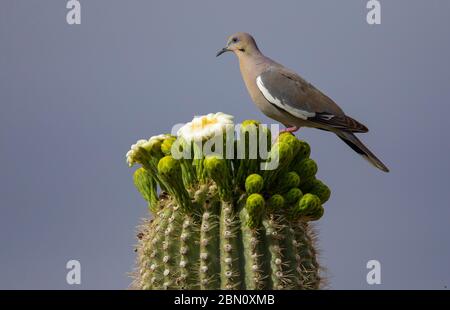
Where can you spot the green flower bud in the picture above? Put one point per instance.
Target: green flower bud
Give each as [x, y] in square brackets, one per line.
[288, 181]
[280, 156]
[286, 151]
[293, 195]
[146, 185]
[307, 184]
[166, 146]
[275, 203]
[169, 168]
[317, 215]
[306, 169]
[289, 138]
[250, 122]
[304, 150]
[308, 205]
[143, 182]
[247, 124]
[249, 128]
[248, 142]
[218, 170]
[254, 183]
[321, 190]
[255, 208]
[254, 142]
[216, 167]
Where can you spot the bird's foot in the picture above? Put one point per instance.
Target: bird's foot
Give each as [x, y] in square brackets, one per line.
[290, 129]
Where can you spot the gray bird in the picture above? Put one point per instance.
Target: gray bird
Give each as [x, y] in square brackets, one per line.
[286, 97]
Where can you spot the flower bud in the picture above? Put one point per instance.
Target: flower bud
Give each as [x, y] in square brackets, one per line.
[275, 203]
[293, 195]
[308, 205]
[146, 185]
[287, 181]
[166, 145]
[254, 183]
[321, 190]
[306, 169]
[255, 207]
[169, 168]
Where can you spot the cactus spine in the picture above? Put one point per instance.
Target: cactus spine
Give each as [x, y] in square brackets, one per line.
[226, 223]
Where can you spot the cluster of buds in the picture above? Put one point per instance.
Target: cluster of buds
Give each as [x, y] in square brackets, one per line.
[231, 195]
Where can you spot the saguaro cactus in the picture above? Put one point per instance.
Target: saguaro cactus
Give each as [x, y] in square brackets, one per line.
[227, 223]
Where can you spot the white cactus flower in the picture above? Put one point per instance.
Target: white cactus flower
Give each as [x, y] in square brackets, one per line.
[141, 143]
[155, 138]
[159, 137]
[205, 126]
[130, 158]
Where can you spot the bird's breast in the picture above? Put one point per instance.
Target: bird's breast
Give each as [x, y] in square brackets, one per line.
[249, 75]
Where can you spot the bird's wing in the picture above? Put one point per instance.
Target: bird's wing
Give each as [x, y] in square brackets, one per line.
[291, 93]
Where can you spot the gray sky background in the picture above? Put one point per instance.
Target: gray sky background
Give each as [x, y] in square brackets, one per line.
[74, 98]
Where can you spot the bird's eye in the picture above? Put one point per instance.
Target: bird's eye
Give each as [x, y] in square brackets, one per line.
[234, 40]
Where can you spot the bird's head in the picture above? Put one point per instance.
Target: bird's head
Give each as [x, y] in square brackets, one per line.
[240, 43]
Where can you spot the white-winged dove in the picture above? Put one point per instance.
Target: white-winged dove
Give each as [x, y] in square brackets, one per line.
[284, 96]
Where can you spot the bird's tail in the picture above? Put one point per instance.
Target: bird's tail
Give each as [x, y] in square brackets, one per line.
[351, 140]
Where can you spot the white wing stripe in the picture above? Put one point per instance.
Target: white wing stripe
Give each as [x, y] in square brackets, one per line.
[296, 112]
[327, 117]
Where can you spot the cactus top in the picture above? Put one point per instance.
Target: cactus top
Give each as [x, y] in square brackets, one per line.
[293, 178]
[227, 215]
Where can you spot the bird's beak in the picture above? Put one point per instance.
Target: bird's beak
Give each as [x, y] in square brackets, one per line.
[223, 50]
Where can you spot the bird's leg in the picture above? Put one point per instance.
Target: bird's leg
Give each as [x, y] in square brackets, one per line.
[290, 129]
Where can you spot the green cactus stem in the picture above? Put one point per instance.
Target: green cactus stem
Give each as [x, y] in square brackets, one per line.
[227, 223]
